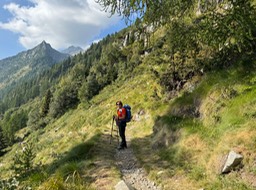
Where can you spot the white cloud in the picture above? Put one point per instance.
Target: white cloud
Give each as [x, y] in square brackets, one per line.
[60, 23]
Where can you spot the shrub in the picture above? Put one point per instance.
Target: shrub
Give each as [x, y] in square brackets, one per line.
[10, 184]
[23, 160]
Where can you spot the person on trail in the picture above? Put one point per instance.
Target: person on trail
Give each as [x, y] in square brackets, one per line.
[121, 123]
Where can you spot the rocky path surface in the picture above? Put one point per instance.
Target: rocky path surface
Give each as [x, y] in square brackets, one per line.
[134, 176]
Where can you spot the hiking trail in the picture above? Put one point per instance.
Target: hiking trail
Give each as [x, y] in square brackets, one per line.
[133, 175]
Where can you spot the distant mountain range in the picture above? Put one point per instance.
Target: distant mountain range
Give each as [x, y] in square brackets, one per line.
[72, 50]
[29, 63]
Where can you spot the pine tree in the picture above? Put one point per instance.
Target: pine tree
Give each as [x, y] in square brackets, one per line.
[23, 159]
[46, 103]
[2, 141]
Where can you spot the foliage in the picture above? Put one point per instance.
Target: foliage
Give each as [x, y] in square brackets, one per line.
[2, 141]
[46, 103]
[23, 91]
[230, 33]
[14, 120]
[89, 89]
[35, 120]
[226, 28]
[65, 98]
[23, 160]
[11, 184]
[149, 11]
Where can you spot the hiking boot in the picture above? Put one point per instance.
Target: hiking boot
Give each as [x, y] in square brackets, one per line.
[120, 148]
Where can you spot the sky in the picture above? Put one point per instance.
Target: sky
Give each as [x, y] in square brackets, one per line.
[26, 23]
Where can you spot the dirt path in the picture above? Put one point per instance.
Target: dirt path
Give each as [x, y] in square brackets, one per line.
[132, 174]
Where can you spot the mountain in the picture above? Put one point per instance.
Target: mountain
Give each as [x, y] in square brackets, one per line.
[28, 63]
[72, 50]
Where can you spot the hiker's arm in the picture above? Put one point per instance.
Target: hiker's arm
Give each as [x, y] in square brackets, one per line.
[115, 117]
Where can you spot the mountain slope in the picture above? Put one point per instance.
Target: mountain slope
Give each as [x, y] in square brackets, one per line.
[177, 148]
[28, 63]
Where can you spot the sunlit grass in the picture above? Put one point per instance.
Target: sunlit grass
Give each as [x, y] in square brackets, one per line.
[226, 102]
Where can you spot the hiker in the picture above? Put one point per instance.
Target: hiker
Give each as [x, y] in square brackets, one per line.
[120, 119]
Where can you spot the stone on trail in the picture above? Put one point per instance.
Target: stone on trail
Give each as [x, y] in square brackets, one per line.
[122, 186]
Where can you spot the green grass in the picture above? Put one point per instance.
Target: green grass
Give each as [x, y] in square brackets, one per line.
[226, 102]
[228, 183]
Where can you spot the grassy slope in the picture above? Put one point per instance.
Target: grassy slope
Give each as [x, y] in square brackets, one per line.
[74, 151]
[183, 152]
[195, 146]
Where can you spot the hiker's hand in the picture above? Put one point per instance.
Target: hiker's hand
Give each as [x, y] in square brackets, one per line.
[114, 117]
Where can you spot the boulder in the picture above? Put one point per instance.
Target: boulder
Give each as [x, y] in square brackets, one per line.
[233, 160]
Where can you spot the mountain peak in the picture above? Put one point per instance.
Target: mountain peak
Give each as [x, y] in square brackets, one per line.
[44, 49]
[28, 63]
[72, 50]
[44, 44]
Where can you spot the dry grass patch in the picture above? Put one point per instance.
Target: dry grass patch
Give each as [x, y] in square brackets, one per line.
[242, 141]
[198, 148]
[210, 108]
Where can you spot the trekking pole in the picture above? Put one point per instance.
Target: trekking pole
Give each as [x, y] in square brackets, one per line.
[111, 131]
[117, 131]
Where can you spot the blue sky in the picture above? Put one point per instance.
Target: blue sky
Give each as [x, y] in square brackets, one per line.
[62, 23]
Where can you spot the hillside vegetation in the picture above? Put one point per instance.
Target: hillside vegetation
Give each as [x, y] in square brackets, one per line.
[191, 85]
[26, 75]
